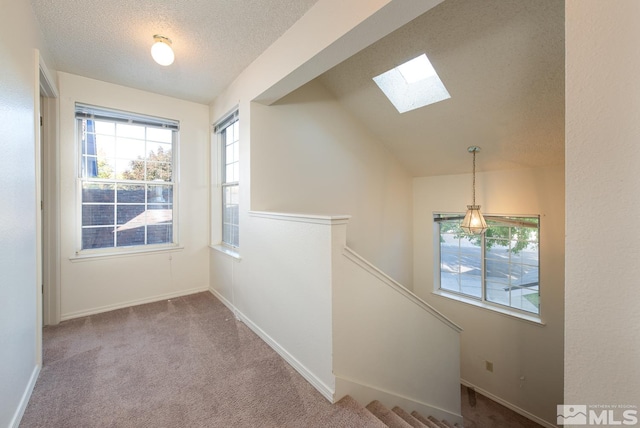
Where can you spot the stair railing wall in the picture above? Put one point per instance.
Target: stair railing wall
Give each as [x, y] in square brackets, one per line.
[390, 345]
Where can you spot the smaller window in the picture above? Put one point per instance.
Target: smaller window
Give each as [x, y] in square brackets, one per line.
[500, 267]
[228, 132]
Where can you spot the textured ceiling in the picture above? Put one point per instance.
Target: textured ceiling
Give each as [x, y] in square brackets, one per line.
[502, 61]
[213, 40]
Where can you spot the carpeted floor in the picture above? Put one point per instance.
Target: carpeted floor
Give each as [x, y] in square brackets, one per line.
[186, 362]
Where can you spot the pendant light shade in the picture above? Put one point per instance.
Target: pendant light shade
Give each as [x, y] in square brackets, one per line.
[161, 50]
[474, 222]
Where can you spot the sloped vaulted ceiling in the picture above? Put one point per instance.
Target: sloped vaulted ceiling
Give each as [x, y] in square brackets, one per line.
[502, 61]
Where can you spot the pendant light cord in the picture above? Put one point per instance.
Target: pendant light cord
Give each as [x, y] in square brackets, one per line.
[474, 177]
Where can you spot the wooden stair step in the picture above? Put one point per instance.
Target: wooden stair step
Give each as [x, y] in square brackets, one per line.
[391, 419]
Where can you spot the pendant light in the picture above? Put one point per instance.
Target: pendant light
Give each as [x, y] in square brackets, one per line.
[161, 50]
[473, 222]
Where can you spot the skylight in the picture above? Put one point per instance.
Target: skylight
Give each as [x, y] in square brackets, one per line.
[412, 85]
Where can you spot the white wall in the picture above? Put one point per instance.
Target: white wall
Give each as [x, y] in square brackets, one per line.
[94, 285]
[282, 289]
[389, 345]
[516, 348]
[308, 155]
[18, 287]
[602, 347]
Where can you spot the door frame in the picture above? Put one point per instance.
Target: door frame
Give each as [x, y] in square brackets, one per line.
[48, 195]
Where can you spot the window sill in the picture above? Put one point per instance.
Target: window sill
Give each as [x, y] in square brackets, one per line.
[533, 319]
[227, 251]
[81, 256]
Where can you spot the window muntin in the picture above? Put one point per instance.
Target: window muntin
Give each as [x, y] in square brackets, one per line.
[229, 137]
[500, 267]
[126, 182]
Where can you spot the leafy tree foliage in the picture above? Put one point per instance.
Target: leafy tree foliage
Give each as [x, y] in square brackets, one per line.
[158, 167]
[520, 236]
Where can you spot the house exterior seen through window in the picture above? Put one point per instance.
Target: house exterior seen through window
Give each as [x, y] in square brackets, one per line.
[500, 267]
[127, 179]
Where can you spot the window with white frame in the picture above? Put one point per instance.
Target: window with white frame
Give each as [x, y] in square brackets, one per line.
[228, 133]
[126, 179]
[499, 267]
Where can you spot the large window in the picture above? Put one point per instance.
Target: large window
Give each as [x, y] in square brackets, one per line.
[127, 178]
[228, 132]
[500, 267]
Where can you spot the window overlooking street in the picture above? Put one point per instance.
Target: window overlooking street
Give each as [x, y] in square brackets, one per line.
[127, 180]
[500, 267]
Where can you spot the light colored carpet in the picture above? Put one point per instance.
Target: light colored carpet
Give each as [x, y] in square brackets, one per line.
[186, 362]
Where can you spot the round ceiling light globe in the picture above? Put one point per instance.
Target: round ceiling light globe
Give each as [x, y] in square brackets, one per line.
[162, 53]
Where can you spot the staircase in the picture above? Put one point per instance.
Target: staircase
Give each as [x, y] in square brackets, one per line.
[375, 414]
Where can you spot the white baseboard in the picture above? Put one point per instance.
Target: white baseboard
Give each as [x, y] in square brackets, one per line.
[130, 303]
[318, 384]
[508, 405]
[24, 400]
[364, 394]
[224, 300]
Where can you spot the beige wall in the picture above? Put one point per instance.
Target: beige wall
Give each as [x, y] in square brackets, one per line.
[308, 155]
[94, 285]
[602, 348]
[517, 348]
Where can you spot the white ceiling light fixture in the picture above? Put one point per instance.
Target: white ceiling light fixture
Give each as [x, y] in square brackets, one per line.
[161, 50]
[474, 222]
[412, 85]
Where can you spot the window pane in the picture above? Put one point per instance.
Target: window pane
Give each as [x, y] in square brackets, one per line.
[230, 215]
[498, 271]
[159, 171]
[97, 215]
[100, 237]
[159, 135]
[127, 148]
[96, 192]
[471, 285]
[129, 215]
[498, 292]
[160, 234]
[105, 128]
[130, 131]
[526, 299]
[158, 152]
[106, 146]
[130, 170]
[159, 194]
[130, 237]
[230, 155]
[131, 193]
[450, 281]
